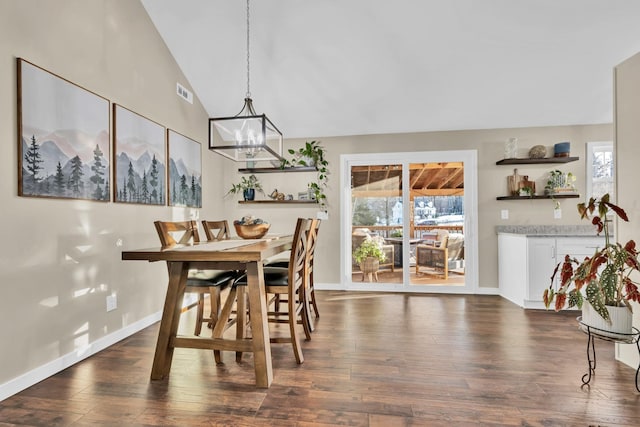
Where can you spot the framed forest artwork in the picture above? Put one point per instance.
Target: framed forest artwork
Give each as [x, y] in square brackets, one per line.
[63, 129]
[140, 158]
[185, 171]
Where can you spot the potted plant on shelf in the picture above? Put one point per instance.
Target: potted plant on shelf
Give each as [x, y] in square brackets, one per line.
[526, 192]
[247, 186]
[312, 154]
[368, 256]
[560, 182]
[605, 278]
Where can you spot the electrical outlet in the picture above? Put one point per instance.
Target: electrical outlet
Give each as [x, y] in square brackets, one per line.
[504, 214]
[557, 213]
[112, 302]
[323, 215]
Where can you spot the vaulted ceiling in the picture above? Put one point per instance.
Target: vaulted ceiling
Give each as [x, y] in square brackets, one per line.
[355, 67]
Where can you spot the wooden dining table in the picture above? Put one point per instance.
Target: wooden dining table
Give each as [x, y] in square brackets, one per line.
[232, 254]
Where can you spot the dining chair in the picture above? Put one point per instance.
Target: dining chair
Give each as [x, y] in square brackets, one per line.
[310, 296]
[216, 230]
[280, 281]
[310, 289]
[200, 282]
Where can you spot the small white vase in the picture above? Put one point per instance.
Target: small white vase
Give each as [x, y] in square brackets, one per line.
[511, 148]
[621, 320]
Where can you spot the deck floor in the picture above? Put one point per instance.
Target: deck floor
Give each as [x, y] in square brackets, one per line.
[456, 278]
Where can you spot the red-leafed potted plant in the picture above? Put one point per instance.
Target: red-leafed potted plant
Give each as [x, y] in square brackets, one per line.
[602, 285]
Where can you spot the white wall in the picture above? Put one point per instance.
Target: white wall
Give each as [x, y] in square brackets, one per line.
[627, 130]
[492, 182]
[60, 258]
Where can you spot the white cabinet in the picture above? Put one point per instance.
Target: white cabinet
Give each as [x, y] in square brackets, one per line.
[541, 261]
[526, 263]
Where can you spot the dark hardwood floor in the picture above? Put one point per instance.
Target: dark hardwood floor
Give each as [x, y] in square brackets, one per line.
[374, 360]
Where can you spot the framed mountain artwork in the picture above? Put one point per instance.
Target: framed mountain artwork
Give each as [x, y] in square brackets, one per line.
[185, 171]
[139, 158]
[63, 129]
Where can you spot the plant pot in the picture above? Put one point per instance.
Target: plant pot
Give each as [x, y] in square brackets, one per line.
[249, 194]
[308, 160]
[369, 267]
[621, 320]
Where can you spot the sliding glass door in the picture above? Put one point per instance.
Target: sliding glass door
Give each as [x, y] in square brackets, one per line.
[377, 220]
[437, 224]
[408, 222]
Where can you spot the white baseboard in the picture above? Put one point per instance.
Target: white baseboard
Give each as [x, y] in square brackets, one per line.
[329, 286]
[341, 287]
[486, 291]
[34, 376]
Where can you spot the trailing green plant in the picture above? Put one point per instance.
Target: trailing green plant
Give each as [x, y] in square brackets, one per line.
[312, 154]
[369, 248]
[605, 277]
[246, 184]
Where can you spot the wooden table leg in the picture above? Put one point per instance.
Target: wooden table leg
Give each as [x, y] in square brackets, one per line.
[170, 319]
[259, 325]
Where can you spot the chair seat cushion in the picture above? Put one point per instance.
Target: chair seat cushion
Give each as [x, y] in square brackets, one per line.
[281, 263]
[273, 276]
[207, 278]
[281, 257]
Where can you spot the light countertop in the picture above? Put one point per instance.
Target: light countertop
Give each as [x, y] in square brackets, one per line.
[586, 230]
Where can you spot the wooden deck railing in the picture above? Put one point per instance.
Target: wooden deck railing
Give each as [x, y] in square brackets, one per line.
[416, 232]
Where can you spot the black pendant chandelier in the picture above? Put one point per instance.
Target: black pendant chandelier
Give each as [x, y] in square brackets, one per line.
[247, 136]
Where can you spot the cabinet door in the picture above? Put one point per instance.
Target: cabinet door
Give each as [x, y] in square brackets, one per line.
[512, 267]
[578, 247]
[542, 261]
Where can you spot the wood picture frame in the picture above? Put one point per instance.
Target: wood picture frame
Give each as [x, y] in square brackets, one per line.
[63, 137]
[139, 158]
[184, 171]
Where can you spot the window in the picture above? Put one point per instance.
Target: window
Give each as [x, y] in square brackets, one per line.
[600, 170]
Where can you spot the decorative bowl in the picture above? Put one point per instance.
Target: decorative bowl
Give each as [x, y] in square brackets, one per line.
[253, 231]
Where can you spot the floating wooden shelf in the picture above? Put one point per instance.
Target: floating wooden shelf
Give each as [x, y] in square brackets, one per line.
[555, 196]
[282, 202]
[279, 170]
[537, 161]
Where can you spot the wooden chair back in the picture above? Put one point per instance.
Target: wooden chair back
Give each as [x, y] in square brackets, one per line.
[310, 297]
[293, 289]
[177, 232]
[216, 230]
[311, 243]
[298, 259]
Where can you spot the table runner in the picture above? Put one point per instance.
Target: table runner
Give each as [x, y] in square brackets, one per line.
[222, 245]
